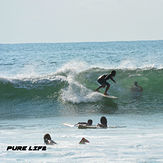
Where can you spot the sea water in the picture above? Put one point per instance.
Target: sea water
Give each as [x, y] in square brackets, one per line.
[43, 86]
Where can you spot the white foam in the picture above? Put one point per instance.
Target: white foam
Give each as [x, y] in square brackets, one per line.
[77, 93]
[73, 67]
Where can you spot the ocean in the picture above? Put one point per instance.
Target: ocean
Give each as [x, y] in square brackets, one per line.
[44, 85]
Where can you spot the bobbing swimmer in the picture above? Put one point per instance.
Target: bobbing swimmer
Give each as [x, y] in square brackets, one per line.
[103, 121]
[48, 140]
[136, 87]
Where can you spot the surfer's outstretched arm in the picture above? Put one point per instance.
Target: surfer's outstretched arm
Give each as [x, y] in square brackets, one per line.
[112, 79]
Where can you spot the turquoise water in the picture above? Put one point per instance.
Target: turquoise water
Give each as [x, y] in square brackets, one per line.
[44, 85]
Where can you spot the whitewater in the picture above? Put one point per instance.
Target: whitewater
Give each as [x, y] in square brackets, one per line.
[43, 86]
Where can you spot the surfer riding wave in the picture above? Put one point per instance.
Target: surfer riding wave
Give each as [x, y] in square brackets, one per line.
[102, 80]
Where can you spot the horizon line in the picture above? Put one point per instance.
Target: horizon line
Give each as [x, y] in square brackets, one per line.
[70, 42]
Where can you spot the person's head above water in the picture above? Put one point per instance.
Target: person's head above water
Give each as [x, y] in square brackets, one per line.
[136, 83]
[136, 87]
[90, 122]
[47, 137]
[103, 121]
[48, 140]
[113, 73]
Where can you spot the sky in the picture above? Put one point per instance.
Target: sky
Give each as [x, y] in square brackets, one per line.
[37, 21]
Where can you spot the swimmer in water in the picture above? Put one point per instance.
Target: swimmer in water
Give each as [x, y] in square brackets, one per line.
[48, 140]
[136, 87]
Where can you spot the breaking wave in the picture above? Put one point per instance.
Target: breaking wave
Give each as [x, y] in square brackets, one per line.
[75, 85]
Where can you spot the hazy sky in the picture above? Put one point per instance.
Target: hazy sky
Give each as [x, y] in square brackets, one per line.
[80, 20]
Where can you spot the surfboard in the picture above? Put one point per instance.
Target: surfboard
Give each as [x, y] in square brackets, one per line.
[98, 127]
[108, 96]
[88, 127]
[69, 125]
[81, 126]
[116, 126]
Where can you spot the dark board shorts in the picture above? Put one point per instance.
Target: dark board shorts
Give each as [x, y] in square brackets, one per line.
[103, 82]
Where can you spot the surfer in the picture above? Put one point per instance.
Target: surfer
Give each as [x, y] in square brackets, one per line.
[48, 140]
[103, 121]
[102, 80]
[88, 123]
[136, 87]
